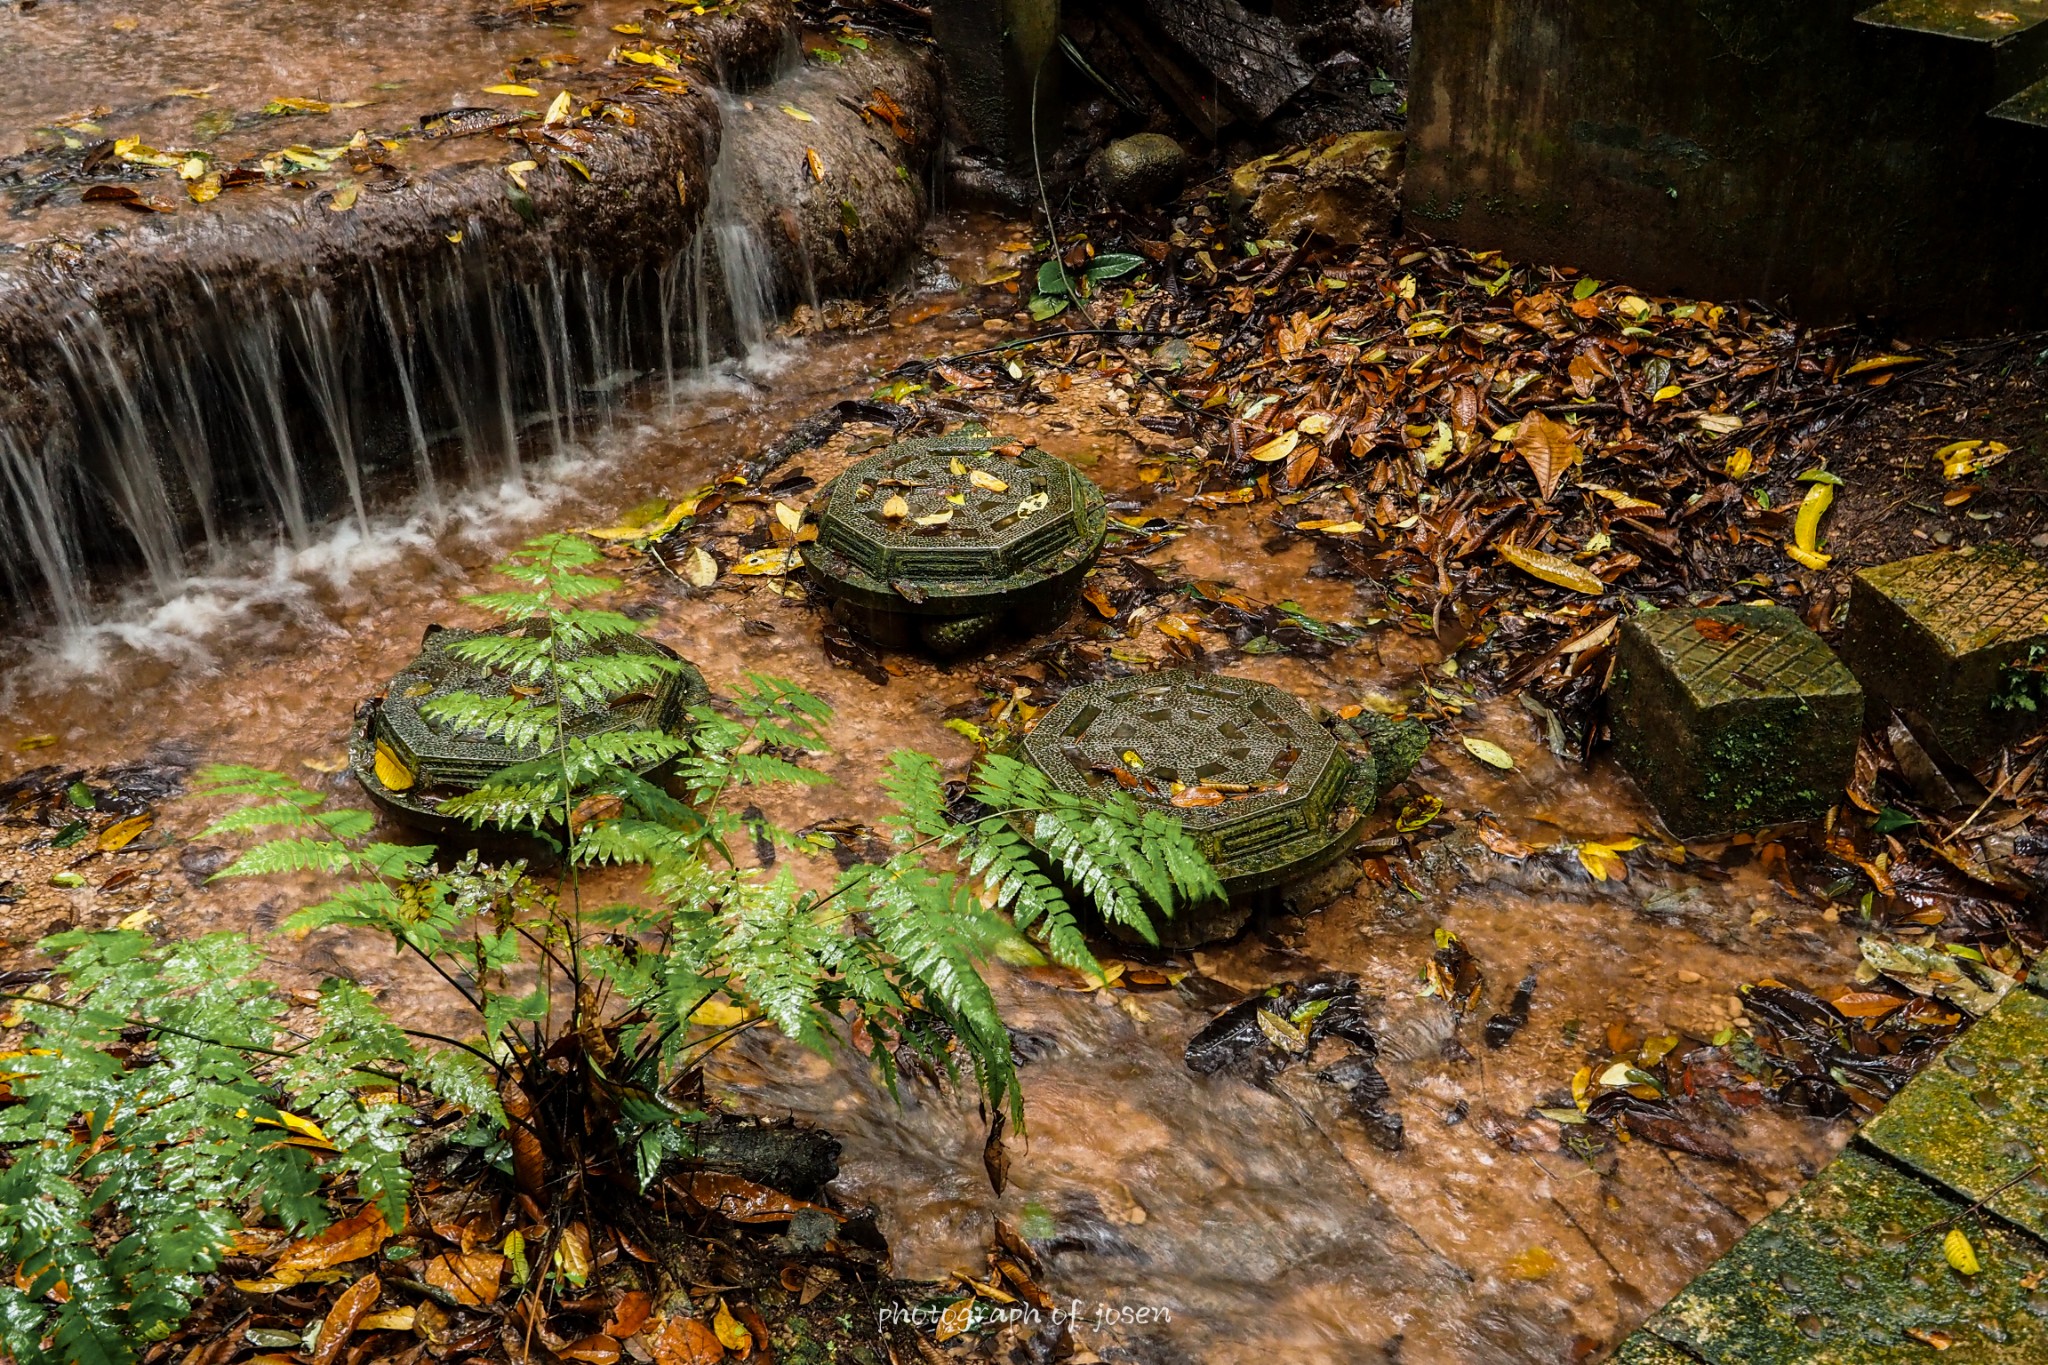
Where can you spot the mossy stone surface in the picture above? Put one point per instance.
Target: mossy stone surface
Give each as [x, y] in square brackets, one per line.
[1937, 634]
[944, 539]
[1271, 794]
[1645, 1349]
[1976, 1120]
[1733, 717]
[1850, 1266]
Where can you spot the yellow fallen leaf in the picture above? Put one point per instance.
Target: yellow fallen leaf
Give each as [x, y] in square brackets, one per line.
[122, 833]
[788, 517]
[524, 91]
[895, 508]
[935, 518]
[981, 478]
[1961, 458]
[700, 568]
[391, 769]
[799, 115]
[731, 1334]
[558, 111]
[1879, 362]
[1604, 860]
[1316, 424]
[1553, 569]
[816, 163]
[1534, 1264]
[519, 170]
[304, 1127]
[1331, 528]
[1738, 464]
[1805, 546]
[1667, 394]
[344, 197]
[718, 1014]
[1960, 1253]
[136, 920]
[768, 562]
[390, 1320]
[205, 189]
[1489, 753]
[1279, 448]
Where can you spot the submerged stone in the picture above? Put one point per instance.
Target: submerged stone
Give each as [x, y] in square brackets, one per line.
[1851, 1271]
[1272, 795]
[1955, 637]
[1977, 1119]
[1733, 717]
[429, 760]
[944, 540]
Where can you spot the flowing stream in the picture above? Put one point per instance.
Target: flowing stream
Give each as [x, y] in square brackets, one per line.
[1189, 1218]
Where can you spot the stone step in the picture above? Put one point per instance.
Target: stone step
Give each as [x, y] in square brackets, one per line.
[1977, 1119]
[1852, 1271]
[2029, 106]
[2008, 41]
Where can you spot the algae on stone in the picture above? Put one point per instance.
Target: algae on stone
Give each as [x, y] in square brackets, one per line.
[1976, 1119]
[1733, 717]
[1850, 1267]
[1947, 636]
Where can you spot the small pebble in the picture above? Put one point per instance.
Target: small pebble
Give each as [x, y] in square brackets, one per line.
[2040, 541]
[1689, 978]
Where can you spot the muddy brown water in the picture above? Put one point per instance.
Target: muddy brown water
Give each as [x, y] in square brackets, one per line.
[1184, 1217]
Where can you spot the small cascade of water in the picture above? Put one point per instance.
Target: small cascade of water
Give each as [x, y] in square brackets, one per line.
[255, 408]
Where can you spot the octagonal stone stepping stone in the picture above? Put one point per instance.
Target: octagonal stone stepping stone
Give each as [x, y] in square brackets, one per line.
[1733, 717]
[1851, 1271]
[1939, 635]
[1976, 1120]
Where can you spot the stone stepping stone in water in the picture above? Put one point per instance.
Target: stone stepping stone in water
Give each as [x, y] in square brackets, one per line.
[1976, 1120]
[1939, 635]
[1851, 1271]
[1733, 717]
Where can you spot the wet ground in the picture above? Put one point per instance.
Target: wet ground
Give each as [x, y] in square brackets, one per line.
[1189, 1217]
[241, 81]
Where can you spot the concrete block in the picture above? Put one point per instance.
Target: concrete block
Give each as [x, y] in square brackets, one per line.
[1851, 1272]
[1976, 1120]
[1939, 635]
[1733, 717]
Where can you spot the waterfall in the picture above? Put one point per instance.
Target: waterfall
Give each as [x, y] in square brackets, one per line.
[256, 409]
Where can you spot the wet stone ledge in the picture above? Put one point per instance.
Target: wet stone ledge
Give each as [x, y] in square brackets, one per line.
[1946, 636]
[439, 294]
[1733, 717]
[1859, 1268]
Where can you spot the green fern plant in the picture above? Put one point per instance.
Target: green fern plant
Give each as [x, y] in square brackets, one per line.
[152, 1108]
[590, 1021]
[885, 954]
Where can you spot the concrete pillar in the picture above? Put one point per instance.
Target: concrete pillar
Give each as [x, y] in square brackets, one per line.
[993, 51]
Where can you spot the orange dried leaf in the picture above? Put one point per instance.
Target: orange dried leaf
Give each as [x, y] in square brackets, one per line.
[471, 1278]
[687, 1341]
[351, 1239]
[743, 1201]
[349, 1310]
[1547, 447]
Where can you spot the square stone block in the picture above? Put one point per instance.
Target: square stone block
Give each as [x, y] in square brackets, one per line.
[1852, 1268]
[1937, 635]
[1977, 1118]
[1733, 717]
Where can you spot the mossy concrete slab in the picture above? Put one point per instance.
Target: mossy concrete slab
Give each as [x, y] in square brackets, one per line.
[1851, 1268]
[1733, 717]
[1938, 634]
[1645, 1349]
[1977, 1119]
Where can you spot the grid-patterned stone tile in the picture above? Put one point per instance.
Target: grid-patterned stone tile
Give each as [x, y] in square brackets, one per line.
[1939, 634]
[1977, 1119]
[1851, 1272]
[1733, 717]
